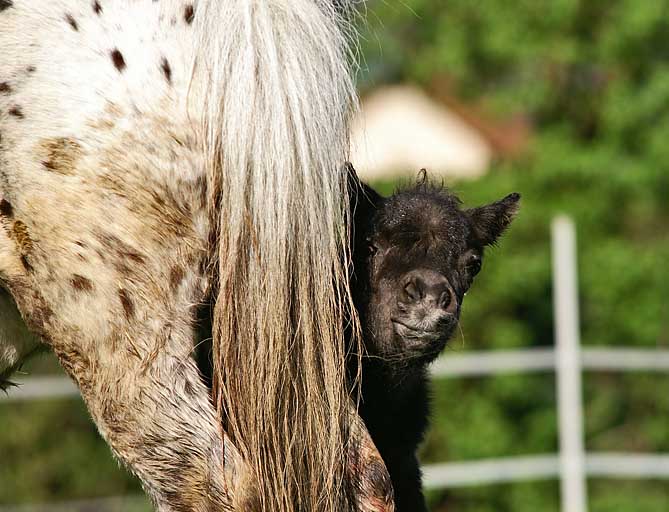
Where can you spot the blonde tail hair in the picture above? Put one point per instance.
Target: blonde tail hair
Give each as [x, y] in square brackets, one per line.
[279, 98]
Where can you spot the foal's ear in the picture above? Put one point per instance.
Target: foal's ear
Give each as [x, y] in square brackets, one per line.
[490, 221]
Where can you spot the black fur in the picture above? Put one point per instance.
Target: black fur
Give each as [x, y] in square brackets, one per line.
[415, 255]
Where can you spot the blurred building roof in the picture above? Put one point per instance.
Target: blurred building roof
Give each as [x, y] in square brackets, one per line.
[402, 129]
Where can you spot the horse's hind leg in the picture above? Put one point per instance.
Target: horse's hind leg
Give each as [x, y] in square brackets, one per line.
[101, 253]
[104, 227]
[126, 340]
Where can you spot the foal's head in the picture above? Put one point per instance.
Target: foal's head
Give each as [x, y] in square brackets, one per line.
[416, 254]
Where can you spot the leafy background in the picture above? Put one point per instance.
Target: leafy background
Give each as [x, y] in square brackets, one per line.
[592, 79]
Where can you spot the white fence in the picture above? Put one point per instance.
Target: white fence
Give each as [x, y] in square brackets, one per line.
[568, 360]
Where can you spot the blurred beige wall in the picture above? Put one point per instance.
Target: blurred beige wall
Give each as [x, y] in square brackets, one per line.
[401, 129]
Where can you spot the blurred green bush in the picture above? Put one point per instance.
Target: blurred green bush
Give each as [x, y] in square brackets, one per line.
[50, 451]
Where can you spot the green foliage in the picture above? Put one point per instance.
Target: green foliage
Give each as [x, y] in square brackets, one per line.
[593, 78]
[51, 451]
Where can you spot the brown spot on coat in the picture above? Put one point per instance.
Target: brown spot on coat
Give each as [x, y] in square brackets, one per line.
[97, 8]
[6, 209]
[72, 22]
[133, 256]
[114, 244]
[118, 60]
[22, 237]
[122, 268]
[76, 363]
[81, 283]
[189, 389]
[166, 69]
[189, 13]
[127, 303]
[31, 69]
[16, 111]
[5, 88]
[62, 155]
[40, 317]
[176, 276]
[5, 4]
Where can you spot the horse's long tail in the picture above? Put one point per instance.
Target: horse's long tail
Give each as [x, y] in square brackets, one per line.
[280, 95]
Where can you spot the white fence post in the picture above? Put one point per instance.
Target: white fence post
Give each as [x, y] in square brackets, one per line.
[570, 402]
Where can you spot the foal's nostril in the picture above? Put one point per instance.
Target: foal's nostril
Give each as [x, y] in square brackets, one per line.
[428, 289]
[414, 290]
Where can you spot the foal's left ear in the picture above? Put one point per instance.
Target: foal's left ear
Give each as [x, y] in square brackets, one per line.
[490, 221]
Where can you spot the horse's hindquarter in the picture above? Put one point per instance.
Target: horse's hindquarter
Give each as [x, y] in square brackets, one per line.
[104, 223]
[104, 226]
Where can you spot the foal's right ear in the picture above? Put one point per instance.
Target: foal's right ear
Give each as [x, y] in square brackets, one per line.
[491, 220]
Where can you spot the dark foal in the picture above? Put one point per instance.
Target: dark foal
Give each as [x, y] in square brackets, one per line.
[415, 255]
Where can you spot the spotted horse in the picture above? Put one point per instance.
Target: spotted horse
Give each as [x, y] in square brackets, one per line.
[152, 154]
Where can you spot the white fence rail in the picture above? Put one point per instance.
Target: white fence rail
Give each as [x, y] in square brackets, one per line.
[568, 360]
[542, 467]
[453, 365]
[40, 388]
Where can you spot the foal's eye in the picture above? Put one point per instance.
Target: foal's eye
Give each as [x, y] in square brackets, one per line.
[473, 265]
